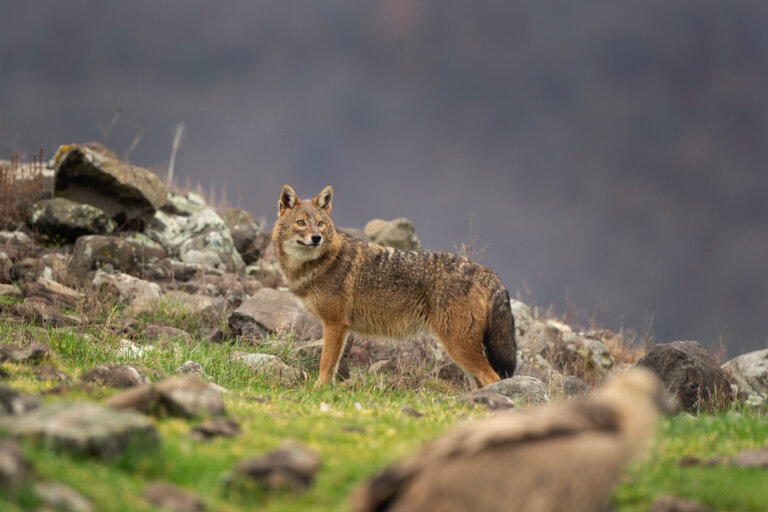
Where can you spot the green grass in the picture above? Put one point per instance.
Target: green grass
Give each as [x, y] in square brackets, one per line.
[361, 433]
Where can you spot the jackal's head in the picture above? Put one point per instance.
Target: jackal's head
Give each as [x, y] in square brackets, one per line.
[304, 229]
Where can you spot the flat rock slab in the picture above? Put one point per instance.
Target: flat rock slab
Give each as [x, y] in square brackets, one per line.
[173, 498]
[125, 287]
[114, 376]
[272, 311]
[185, 397]
[52, 292]
[290, 466]
[85, 429]
[688, 371]
[521, 389]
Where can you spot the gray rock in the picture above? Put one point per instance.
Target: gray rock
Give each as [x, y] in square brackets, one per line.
[13, 402]
[190, 397]
[114, 376]
[190, 368]
[521, 390]
[688, 371]
[269, 366]
[126, 288]
[271, 311]
[522, 315]
[247, 235]
[127, 252]
[668, 503]
[51, 374]
[173, 270]
[171, 497]
[398, 233]
[42, 314]
[34, 353]
[182, 303]
[61, 497]
[202, 237]
[749, 373]
[489, 399]
[184, 397]
[62, 220]
[15, 470]
[27, 269]
[157, 333]
[5, 268]
[290, 466]
[215, 427]
[52, 292]
[10, 291]
[84, 428]
[91, 174]
[410, 411]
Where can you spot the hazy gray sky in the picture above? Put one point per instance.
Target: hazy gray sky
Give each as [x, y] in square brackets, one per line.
[611, 152]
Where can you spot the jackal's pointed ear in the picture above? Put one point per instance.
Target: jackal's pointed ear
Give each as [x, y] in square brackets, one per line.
[288, 200]
[323, 200]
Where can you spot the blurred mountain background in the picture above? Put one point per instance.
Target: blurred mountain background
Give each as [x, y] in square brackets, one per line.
[610, 155]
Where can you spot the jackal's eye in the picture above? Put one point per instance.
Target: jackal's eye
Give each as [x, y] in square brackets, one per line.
[301, 222]
[319, 223]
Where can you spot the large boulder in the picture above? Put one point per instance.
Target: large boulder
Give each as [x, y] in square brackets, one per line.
[129, 252]
[272, 311]
[195, 234]
[398, 233]
[250, 240]
[62, 220]
[91, 174]
[687, 370]
[749, 373]
[85, 429]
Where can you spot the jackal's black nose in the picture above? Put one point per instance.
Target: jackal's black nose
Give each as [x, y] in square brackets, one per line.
[316, 239]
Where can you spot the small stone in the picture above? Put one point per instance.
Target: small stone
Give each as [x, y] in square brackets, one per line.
[171, 497]
[290, 466]
[410, 411]
[61, 497]
[522, 390]
[189, 397]
[190, 368]
[215, 427]
[32, 354]
[490, 399]
[13, 402]
[667, 503]
[115, 376]
[51, 374]
[269, 366]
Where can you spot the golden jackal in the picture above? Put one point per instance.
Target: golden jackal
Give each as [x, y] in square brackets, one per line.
[358, 286]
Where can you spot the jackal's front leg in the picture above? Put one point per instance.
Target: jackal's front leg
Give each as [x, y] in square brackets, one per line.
[334, 336]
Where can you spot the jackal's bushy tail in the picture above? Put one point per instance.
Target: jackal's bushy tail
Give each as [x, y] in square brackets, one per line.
[499, 337]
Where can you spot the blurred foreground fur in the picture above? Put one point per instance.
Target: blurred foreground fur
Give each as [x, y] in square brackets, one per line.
[353, 285]
[563, 457]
